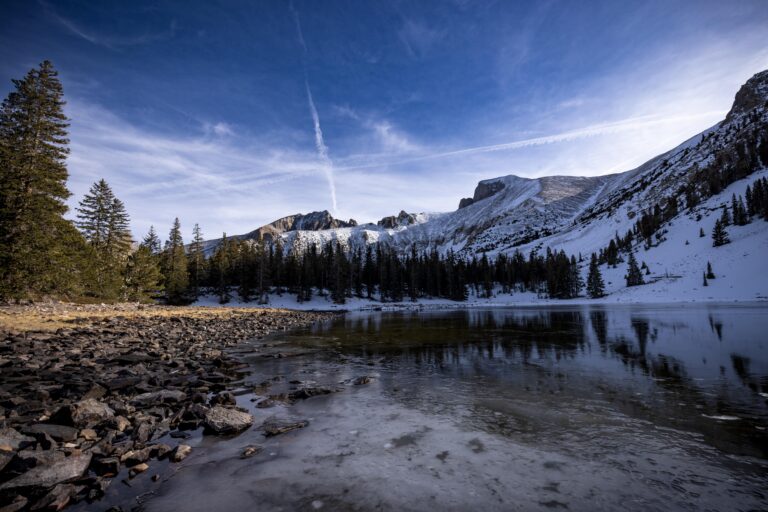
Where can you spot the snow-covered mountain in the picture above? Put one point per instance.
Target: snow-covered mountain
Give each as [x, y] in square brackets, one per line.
[582, 214]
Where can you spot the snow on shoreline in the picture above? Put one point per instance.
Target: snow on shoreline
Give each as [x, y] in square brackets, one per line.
[521, 299]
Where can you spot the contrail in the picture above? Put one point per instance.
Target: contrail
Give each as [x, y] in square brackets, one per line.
[322, 149]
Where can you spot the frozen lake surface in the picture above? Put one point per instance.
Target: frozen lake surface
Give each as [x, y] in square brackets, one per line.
[578, 408]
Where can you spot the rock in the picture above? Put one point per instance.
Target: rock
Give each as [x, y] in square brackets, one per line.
[12, 440]
[83, 414]
[138, 468]
[250, 451]
[50, 474]
[58, 432]
[89, 434]
[57, 498]
[96, 391]
[159, 397]
[308, 392]
[274, 426]
[18, 503]
[142, 433]
[180, 453]
[120, 423]
[224, 398]
[220, 420]
[135, 457]
[107, 466]
[359, 381]
[5, 458]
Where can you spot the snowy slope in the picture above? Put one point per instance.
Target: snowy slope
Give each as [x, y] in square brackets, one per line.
[582, 214]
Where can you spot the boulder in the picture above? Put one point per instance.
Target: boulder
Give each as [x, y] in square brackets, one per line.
[274, 426]
[83, 414]
[12, 440]
[159, 397]
[221, 421]
[51, 472]
[60, 433]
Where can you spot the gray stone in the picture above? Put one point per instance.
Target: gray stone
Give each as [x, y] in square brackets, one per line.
[13, 440]
[159, 397]
[220, 420]
[274, 426]
[180, 453]
[52, 473]
[58, 432]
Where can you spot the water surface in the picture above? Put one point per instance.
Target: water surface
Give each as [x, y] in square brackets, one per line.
[577, 408]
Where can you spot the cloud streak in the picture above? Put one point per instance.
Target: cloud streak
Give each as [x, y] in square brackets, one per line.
[320, 146]
[625, 125]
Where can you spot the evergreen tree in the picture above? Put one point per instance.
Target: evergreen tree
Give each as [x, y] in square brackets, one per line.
[634, 276]
[595, 285]
[219, 269]
[710, 274]
[175, 267]
[701, 233]
[152, 241]
[719, 234]
[103, 220]
[725, 218]
[705, 280]
[39, 250]
[196, 261]
[143, 279]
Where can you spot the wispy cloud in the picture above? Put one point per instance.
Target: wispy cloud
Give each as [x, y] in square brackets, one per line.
[418, 37]
[198, 178]
[108, 40]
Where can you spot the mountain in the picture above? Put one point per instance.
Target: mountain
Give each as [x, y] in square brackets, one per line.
[314, 221]
[685, 187]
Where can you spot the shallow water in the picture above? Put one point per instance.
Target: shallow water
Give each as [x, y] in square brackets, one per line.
[584, 408]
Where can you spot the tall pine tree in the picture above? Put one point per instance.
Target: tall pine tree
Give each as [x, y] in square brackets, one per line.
[634, 276]
[175, 267]
[103, 220]
[595, 285]
[40, 252]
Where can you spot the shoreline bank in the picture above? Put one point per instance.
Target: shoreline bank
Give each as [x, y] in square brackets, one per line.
[94, 393]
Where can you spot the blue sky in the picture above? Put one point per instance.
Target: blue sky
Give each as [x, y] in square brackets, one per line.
[232, 114]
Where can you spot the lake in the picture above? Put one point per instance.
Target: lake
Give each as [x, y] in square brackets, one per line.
[545, 408]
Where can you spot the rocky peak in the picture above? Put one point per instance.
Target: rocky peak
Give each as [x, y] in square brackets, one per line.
[753, 94]
[403, 219]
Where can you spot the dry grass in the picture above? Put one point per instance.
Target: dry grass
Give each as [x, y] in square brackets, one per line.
[53, 316]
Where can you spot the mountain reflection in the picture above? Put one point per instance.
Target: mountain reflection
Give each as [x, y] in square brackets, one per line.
[680, 367]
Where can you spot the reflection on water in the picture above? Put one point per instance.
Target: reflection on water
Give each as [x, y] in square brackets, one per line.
[589, 408]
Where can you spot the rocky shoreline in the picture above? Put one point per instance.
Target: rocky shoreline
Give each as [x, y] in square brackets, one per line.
[88, 391]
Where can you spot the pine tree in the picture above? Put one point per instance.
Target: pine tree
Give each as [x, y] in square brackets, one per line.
[103, 221]
[725, 219]
[595, 285]
[219, 268]
[143, 279]
[634, 276]
[710, 274]
[196, 261]
[701, 233]
[152, 241]
[719, 234]
[175, 267]
[37, 246]
[705, 280]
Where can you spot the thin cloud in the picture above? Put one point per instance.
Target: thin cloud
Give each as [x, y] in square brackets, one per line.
[625, 125]
[108, 41]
